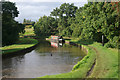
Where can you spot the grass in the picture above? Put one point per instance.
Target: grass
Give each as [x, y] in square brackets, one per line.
[106, 60]
[23, 43]
[28, 32]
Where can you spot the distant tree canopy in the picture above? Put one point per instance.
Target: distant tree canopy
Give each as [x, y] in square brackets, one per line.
[88, 22]
[10, 28]
[28, 22]
[58, 25]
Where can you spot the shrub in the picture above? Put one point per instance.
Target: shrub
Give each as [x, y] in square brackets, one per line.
[109, 45]
[113, 43]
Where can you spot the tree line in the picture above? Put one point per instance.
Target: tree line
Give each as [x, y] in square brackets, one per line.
[28, 22]
[88, 22]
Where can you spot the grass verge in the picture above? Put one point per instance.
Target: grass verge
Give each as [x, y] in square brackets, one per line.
[106, 60]
[23, 43]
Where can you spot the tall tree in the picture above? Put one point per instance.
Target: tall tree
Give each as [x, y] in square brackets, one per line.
[64, 14]
[10, 28]
[97, 19]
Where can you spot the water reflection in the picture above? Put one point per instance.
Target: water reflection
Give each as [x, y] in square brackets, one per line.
[56, 44]
[39, 62]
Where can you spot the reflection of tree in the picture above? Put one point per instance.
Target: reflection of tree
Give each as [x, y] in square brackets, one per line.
[44, 47]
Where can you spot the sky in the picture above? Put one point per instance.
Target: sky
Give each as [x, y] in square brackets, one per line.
[34, 9]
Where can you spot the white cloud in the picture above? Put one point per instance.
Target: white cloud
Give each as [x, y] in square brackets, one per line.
[34, 10]
[48, 0]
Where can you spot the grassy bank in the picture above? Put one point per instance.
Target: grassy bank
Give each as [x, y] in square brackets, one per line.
[23, 43]
[106, 60]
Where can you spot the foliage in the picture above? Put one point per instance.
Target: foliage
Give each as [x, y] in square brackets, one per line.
[97, 19]
[10, 28]
[88, 22]
[28, 22]
[113, 43]
[45, 26]
[109, 45]
[58, 21]
[65, 15]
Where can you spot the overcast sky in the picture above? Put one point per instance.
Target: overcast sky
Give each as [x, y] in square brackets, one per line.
[34, 9]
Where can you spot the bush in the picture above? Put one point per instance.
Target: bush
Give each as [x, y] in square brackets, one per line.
[113, 43]
[109, 45]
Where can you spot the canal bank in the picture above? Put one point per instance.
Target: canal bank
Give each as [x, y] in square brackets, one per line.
[21, 47]
[100, 62]
[82, 68]
[39, 61]
[106, 60]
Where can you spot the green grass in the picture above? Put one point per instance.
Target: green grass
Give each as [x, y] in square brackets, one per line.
[26, 41]
[106, 60]
[28, 32]
[21, 44]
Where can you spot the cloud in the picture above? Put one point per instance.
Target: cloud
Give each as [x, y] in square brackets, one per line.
[35, 10]
[48, 0]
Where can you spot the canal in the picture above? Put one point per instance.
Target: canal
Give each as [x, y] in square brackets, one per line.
[46, 59]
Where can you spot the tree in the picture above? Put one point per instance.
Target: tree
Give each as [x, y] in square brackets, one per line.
[88, 22]
[45, 26]
[10, 28]
[65, 14]
[97, 19]
[24, 21]
[28, 22]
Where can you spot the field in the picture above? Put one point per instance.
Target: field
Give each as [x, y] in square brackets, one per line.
[29, 31]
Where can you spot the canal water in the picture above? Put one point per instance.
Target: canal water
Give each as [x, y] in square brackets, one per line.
[47, 59]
